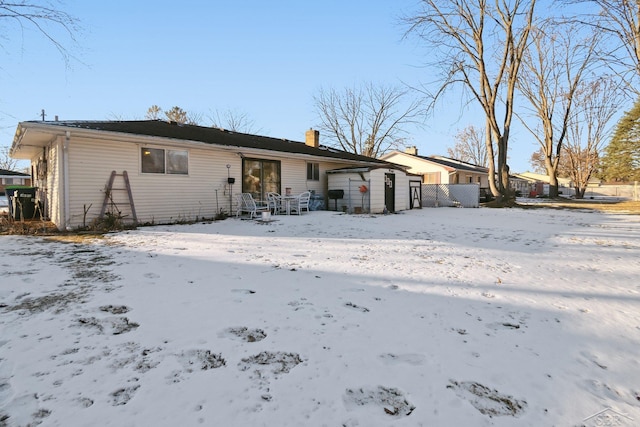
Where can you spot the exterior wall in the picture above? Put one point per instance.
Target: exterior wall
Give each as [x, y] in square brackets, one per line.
[158, 198]
[293, 174]
[401, 190]
[374, 199]
[50, 186]
[340, 181]
[403, 194]
[418, 166]
[465, 177]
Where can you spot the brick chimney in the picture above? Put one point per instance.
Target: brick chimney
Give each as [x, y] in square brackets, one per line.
[312, 138]
[413, 150]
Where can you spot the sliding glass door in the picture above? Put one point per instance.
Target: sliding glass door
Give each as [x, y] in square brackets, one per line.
[260, 177]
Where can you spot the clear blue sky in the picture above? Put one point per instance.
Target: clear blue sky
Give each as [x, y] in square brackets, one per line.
[264, 58]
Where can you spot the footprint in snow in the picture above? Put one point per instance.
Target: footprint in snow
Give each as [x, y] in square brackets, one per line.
[245, 334]
[124, 395]
[200, 360]
[115, 309]
[356, 307]
[503, 325]
[109, 325]
[408, 358]
[388, 400]
[243, 291]
[487, 401]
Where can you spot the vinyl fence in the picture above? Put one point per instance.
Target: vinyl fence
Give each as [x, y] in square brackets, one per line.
[456, 195]
[628, 192]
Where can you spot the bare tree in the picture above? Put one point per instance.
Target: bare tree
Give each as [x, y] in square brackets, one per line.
[596, 103]
[154, 113]
[233, 120]
[620, 19]
[538, 163]
[44, 18]
[367, 120]
[470, 146]
[480, 47]
[552, 70]
[175, 114]
[7, 162]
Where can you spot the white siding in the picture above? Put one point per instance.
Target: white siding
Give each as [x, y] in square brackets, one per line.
[418, 166]
[52, 184]
[158, 198]
[401, 190]
[375, 181]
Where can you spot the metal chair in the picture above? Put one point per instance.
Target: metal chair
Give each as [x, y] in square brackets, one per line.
[274, 202]
[302, 203]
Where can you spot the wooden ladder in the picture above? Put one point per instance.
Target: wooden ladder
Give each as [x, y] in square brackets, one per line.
[108, 194]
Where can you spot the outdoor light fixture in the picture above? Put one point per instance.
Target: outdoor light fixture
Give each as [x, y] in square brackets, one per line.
[229, 179]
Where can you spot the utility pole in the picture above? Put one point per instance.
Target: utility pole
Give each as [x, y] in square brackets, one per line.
[43, 114]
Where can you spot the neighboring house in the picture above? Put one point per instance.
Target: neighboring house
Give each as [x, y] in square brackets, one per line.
[539, 184]
[439, 169]
[176, 172]
[523, 186]
[8, 177]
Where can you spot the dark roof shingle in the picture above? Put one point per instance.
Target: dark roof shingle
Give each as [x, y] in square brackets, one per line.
[210, 135]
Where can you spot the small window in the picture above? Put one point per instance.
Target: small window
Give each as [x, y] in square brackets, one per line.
[313, 171]
[431, 178]
[157, 160]
[177, 162]
[152, 160]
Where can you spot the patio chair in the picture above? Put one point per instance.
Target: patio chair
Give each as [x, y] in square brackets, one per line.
[247, 204]
[302, 203]
[275, 203]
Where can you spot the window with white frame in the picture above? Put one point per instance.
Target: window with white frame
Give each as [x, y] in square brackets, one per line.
[159, 160]
[313, 171]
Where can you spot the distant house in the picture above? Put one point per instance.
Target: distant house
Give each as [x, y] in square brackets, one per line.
[538, 184]
[175, 172]
[439, 169]
[8, 177]
[523, 186]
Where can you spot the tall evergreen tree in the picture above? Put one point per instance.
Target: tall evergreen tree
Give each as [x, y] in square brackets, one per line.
[621, 161]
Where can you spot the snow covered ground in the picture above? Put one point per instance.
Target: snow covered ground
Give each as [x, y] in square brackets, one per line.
[433, 317]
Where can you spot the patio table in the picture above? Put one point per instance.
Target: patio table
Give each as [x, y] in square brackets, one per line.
[287, 202]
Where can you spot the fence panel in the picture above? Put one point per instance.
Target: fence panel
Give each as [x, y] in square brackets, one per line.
[458, 195]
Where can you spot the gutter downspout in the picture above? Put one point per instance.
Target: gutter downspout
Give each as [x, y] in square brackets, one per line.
[65, 179]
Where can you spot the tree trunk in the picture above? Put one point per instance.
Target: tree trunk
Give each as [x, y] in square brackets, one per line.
[503, 170]
[552, 172]
[492, 165]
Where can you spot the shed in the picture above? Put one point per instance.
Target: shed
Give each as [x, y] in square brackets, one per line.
[370, 189]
